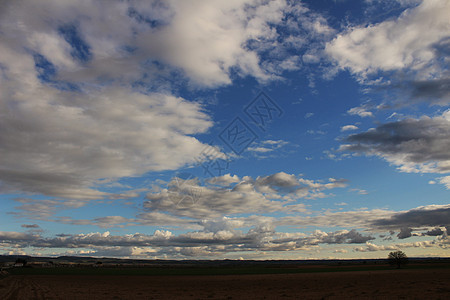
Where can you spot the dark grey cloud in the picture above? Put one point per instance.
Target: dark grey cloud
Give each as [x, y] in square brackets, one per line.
[415, 145]
[404, 233]
[351, 237]
[433, 91]
[435, 232]
[29, 226]
[419, 217]
[344, 219]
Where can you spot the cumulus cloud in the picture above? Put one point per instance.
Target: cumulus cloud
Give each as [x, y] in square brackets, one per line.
[349, 127]
[404, 233]
[408, 42]
[209, 42]
[370, 247]
[198, 38]
[85, 90]
[415, 145]
[413, 65]
[421, 244]
[373, 247]
[59, 143]
[60, 135]
[225, 180]
[226, 195]
[347, 237]
[434, 232]
[225, 235]
[212, 240]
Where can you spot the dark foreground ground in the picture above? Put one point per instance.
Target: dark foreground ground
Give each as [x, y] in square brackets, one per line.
[425, 283]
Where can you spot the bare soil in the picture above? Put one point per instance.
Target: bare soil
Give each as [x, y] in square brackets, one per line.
[388, 284]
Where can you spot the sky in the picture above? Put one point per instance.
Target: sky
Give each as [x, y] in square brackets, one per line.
[239, 129]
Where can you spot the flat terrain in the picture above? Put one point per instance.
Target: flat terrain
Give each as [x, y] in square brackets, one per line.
[379, 284]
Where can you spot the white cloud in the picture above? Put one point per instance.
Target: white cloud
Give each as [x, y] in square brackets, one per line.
[340, 251]
[404, 43]
[259, 149]
[373, 247]
[420, 244]
[274, 142]
[206, 38]
[360, 111]
[348, 127]
[266, 146]
[445, 181]
[224, 180]
[359, 191]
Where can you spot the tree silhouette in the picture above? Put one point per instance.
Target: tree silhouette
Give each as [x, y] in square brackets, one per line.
[398, 258]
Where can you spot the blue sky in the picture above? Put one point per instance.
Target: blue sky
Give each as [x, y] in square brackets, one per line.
[255, 129]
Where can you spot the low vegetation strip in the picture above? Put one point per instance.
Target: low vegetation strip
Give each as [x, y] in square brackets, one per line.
[244, 270]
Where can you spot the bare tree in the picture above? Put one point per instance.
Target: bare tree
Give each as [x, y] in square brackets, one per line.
[398, 258]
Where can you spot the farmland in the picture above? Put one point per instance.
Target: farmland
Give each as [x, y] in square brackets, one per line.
[227, 280]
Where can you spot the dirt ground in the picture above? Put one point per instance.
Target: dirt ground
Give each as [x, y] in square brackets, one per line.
[390, 284]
